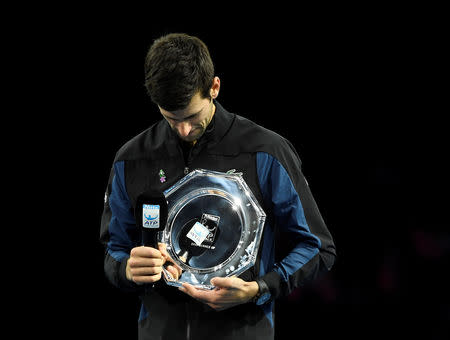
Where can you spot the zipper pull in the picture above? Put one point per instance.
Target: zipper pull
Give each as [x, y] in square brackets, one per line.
[186, 170]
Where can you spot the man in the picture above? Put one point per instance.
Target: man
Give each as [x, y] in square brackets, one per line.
[197, 132]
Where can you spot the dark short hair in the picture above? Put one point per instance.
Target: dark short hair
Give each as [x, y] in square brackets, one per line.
[177, 67]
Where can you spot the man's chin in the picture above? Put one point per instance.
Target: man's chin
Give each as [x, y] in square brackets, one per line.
[190, 138]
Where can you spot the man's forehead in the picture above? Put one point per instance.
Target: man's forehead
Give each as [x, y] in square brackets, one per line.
[195, 106]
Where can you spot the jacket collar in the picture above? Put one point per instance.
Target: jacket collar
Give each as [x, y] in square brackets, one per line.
[223, 121]
[217, 129]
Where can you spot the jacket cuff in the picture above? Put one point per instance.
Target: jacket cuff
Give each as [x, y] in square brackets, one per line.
[273, 282]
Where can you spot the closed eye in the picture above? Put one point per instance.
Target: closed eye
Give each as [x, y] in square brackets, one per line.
[183, 119]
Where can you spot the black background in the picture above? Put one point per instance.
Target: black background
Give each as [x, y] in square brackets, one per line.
[359, 93]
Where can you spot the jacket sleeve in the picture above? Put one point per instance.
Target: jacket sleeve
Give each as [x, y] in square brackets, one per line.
[302, 238]
[118, 229]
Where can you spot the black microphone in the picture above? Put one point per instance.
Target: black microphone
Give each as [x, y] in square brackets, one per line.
[151, 213]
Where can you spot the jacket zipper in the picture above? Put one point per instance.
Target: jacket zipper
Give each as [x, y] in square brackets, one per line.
[188, 322]
[188, 312]
[189, 160]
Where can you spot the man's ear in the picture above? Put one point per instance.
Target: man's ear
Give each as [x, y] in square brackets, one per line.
[215, 88]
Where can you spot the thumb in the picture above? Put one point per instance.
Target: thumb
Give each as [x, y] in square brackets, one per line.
[162, 246]
[222, 282]
[163, 249]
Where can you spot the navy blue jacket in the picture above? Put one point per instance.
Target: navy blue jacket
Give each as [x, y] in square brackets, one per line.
[296, 245]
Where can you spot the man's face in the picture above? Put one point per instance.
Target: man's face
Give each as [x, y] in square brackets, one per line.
[191, 122]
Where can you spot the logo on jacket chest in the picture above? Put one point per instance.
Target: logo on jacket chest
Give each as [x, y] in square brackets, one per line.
[162, 176]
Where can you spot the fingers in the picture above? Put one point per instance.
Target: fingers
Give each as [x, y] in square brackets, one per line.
[224, 282]
[228, 292]
[145, 252]
[144, 274]
[203, 295]
[147, 278]
[197, 294]
[144, 265]
[174, 270]
[143, 271]
[215, 299]
[135, 262]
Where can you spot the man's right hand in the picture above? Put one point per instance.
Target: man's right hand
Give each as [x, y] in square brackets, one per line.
[144, 265]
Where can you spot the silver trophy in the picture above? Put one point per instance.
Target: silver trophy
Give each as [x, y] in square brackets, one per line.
[214, 227]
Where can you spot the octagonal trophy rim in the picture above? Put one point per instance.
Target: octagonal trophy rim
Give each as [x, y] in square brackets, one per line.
[250, 213]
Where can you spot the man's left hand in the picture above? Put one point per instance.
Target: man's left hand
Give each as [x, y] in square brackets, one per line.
[228, 292]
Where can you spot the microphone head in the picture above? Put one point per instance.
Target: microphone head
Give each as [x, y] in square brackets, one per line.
[151, 211]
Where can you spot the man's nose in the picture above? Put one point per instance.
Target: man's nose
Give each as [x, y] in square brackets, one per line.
[184, 128]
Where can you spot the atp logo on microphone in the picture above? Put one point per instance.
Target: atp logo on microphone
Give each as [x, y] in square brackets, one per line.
[150, 216]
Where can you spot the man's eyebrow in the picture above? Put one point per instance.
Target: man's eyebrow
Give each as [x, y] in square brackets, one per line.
[192, 115]
[185, 118]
